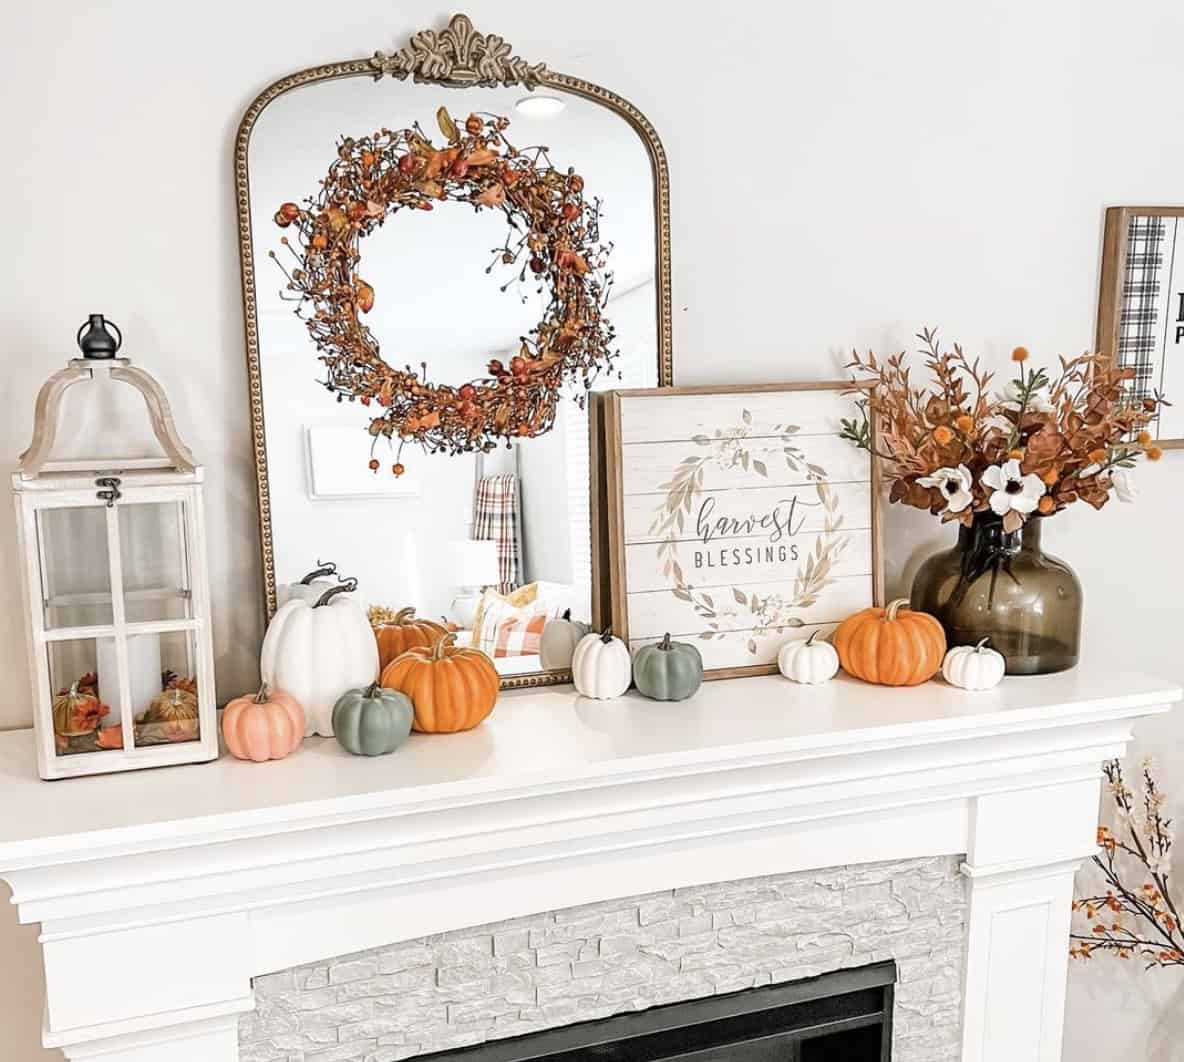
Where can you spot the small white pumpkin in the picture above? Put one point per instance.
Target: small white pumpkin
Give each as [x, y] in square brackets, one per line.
[973, 667]
[558, 643]
[601, 666]
[808, 661]
[316, 651]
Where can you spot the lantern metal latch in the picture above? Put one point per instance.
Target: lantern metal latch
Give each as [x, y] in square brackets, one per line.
[111, 494]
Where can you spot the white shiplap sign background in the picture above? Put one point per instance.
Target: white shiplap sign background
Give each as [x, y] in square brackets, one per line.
[738, 519]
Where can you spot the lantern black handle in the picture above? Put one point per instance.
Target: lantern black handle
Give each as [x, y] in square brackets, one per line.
[98, 344]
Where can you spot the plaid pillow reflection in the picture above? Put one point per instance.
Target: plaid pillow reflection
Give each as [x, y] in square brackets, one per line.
[520, 636]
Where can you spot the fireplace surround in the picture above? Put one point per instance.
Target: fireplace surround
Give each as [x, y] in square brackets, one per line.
[185, 888]
[684, 946]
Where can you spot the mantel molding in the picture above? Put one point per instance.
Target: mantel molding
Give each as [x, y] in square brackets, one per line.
[559, 802]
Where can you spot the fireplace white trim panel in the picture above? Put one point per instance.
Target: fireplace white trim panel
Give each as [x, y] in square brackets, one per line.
[161, 894]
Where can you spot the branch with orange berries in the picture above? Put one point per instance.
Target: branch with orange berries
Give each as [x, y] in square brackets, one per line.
[1132, 920]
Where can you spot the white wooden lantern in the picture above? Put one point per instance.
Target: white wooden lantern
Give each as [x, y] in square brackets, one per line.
[116, 589]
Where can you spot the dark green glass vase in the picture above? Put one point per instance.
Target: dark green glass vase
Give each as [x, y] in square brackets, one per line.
[1002, 586]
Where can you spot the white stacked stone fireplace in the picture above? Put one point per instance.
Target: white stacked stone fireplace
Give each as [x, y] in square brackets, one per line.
[574, 859]
[545, 971]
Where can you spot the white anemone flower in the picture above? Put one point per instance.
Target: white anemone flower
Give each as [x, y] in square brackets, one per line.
[954, 484]
[1037, 402]
[999, 422]
[1125, 487]
[1011, 490]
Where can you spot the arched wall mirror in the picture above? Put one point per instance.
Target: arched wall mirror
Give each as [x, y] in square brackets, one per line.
[446, 252]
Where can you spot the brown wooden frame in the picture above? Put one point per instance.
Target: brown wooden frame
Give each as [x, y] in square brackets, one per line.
[1110, 292]
[610, 566]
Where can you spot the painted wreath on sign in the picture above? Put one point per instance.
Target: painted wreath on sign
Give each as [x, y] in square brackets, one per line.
[767, 613]
[553, 235]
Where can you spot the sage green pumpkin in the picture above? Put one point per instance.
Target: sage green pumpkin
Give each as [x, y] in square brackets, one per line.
[668, 671]
[372, 722]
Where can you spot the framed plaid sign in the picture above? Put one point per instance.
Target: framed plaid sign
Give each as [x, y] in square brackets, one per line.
[738, 519]
[1141, 307]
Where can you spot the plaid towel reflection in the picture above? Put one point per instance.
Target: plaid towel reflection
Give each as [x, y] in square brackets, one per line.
[1138, 331]
[495, 516]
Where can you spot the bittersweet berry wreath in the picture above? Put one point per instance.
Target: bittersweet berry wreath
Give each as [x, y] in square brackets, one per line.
[553, 237]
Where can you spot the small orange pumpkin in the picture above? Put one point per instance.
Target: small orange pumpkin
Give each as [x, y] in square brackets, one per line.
[402, 631]
[263, 726]
[450, 688]
[891, 646]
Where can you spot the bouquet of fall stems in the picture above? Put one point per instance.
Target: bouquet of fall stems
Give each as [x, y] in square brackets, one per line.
[1042, 444]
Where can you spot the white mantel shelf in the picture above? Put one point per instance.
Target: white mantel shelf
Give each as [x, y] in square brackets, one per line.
[183, 883]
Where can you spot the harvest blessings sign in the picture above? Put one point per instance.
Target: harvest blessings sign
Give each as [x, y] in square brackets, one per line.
[779, 523]
[738, 519]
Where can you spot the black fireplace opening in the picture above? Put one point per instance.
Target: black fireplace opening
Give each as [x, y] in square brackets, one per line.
[845, 1016]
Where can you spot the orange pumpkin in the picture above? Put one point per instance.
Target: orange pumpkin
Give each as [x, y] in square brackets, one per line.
[891, 646]
[263, 726]
[403, 631]
[450, 688]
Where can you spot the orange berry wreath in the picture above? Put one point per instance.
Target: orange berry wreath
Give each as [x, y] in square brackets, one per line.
[552, 235]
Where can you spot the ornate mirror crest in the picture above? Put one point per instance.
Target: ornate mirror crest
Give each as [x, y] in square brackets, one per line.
[461, 55]
[457, 57]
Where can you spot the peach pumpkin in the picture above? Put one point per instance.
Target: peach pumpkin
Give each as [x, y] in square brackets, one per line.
[403, 632]
[891, 646]
[267, 725]
[450, 688]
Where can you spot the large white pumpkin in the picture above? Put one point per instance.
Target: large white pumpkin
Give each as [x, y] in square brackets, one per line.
[317, 651]
[601, 666]
[310, 588]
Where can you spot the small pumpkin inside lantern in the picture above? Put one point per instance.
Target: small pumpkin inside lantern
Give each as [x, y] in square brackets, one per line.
[77, 711]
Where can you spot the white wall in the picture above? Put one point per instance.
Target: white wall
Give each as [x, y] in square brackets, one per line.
[842, 174]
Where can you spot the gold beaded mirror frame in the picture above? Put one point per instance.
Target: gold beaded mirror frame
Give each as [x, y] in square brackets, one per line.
[402, 418]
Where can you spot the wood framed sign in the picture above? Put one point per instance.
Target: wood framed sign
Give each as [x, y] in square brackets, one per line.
[1141, 307]
[738, 519]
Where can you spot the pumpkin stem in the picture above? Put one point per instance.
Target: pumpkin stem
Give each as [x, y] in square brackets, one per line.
[979, 648]
[813, 635]
[372, 692]
[438, 651]
[346, 586]
[262, 695]
[73, 689]
[607, 635]
[566, 615]
[895, 606]
[326, 568]
[404, 615]
[664, 644]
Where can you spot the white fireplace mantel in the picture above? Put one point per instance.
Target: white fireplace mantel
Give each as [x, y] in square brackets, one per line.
[161, 894]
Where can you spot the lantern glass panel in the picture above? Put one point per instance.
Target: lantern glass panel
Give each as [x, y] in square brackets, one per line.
[75, 570]
[154, 554]
[85, 714]
[168, 715]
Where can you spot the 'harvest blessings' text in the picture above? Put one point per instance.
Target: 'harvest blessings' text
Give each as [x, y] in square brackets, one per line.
[779, 524]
